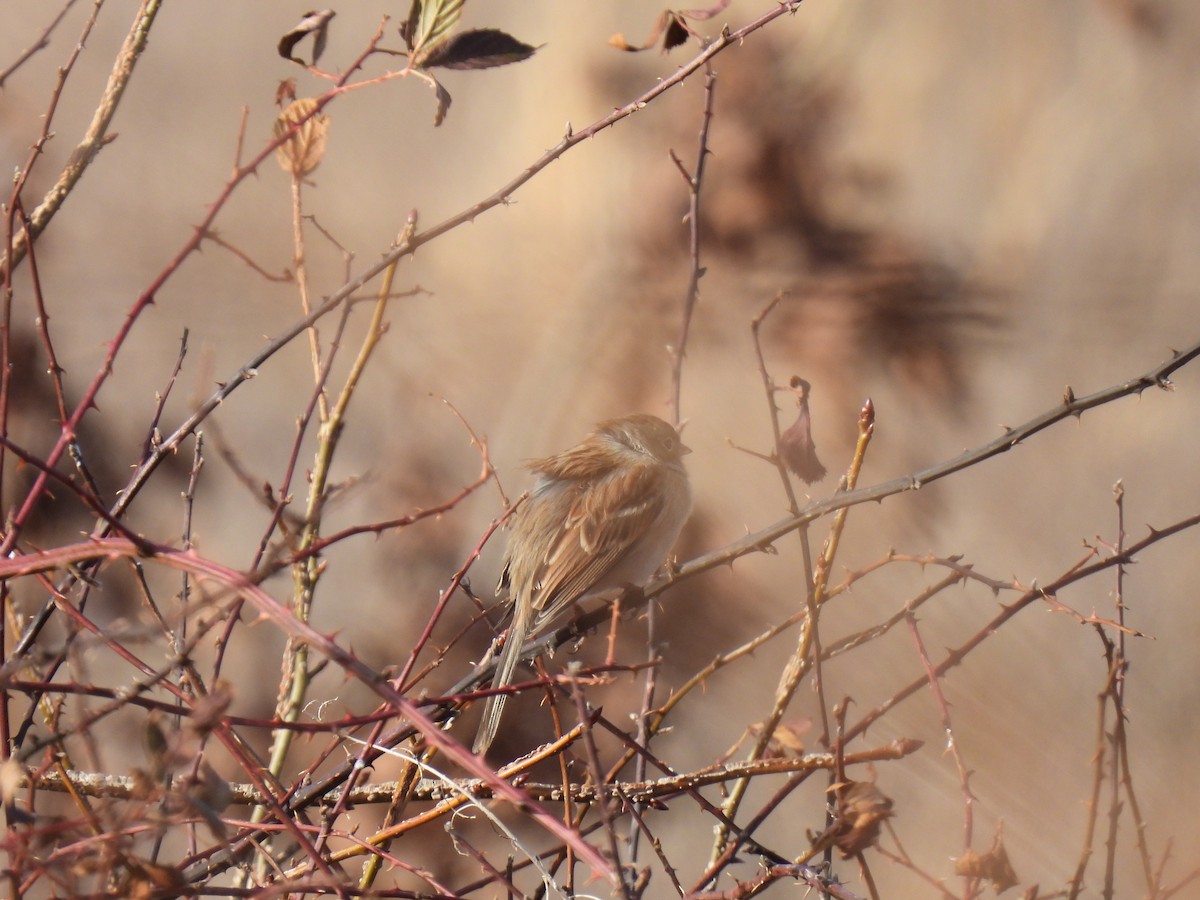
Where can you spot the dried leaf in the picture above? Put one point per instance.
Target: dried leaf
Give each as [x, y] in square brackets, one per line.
[786, 739]
[619, 41]
[303, 151]
[429, 24]
[796, 447]
[443, 101]
[286, 92]
[409, 26]
[146, 879]
[670, 26]
[994, 865]
[482, 48]
[314, 23]
[862, 809]
[677, 34]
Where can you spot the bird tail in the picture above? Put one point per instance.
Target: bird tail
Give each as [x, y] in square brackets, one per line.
[510, 655]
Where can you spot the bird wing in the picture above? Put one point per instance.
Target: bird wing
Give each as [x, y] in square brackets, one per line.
[605, 520]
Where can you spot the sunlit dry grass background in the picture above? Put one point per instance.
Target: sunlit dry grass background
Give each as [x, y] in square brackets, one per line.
[973, 207]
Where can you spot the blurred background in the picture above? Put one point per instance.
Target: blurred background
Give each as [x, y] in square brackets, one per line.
[971, 207]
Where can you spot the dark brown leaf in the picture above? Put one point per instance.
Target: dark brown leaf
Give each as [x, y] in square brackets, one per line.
[677, 33]
[314, 23]
[443, 101]
[482, 48]
[796, 446]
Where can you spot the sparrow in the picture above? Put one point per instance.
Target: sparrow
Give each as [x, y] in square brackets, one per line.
[601, 515]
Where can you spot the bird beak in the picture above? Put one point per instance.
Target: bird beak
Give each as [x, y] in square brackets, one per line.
[684, 449]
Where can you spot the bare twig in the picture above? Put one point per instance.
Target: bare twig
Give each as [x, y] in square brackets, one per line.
[952, 745]
[1072, 407]
[40, 43]
[694, 181]
[807, 651]
[96, 135]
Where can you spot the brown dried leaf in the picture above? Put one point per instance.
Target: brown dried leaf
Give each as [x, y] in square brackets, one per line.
[660, 25]
[787, 737]
[789, 740]
[301, 153]
[862, 809]
[796, 446]
[670, 27]
[286, 92]
[146, 879]
[618, 40]
[443, 101]
[994, 865]
[969, 865]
